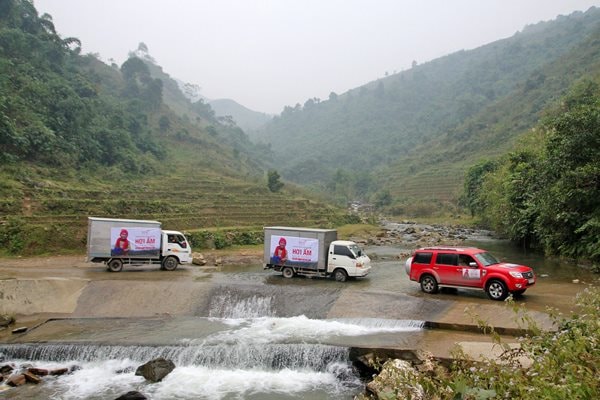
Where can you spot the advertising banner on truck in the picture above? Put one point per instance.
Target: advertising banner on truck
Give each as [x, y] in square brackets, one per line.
[294, 251]
[135, 242]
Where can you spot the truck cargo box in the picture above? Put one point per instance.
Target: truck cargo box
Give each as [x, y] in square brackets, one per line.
[306, 248]
[143, 236]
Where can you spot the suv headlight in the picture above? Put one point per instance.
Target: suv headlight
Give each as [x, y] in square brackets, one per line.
[516, 274]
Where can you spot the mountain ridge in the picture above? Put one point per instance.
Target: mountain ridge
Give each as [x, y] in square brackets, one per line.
[387, 120]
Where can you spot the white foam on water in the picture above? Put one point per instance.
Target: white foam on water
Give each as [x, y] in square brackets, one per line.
[204, 383]
[282, 330]
[91, 380]
[112, 378]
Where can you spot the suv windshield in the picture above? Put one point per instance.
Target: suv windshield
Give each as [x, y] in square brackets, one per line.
[486, 259]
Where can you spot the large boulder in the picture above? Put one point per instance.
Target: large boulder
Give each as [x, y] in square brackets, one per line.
[198, 259]
[397, 379]
[155, 370]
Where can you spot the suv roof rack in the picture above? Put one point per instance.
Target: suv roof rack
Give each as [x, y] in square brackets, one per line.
[446, 248]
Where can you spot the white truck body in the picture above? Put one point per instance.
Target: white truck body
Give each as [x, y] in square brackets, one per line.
[118, 242]
[313, 252]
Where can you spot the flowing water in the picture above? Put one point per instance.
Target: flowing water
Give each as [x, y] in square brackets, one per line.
[241, 350]
[262, 336]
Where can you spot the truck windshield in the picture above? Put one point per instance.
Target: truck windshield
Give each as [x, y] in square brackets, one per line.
[355, 250]
[486, 259]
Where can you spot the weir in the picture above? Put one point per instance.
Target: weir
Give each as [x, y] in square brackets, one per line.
[278, 356]
[240, 349]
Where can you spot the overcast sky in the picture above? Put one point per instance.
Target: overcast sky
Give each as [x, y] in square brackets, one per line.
[266, 54]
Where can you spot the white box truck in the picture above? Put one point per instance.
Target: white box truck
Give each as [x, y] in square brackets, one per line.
[313, 252]
[118, 242]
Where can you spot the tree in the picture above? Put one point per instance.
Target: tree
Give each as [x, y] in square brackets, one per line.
[274, 184]
[473, 185]
[383, 198]
[569, 202]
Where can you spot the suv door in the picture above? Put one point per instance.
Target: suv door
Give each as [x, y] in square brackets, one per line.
[446, 266]
[420, 262]
[469, 273]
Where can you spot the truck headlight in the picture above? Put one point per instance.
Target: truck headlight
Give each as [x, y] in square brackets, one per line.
[516, 274]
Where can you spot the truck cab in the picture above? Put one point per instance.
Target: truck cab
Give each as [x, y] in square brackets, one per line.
[175, 244]
[347, 259]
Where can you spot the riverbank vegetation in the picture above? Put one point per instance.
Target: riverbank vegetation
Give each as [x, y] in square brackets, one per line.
[560, 364]
[546, 193]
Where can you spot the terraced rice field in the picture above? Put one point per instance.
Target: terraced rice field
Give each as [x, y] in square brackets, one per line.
[55, 214]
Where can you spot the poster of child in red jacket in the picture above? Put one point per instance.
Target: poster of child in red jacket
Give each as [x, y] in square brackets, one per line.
[122, 244]
[280, 253]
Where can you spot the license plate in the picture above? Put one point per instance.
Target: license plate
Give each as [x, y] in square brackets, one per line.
[531, 280]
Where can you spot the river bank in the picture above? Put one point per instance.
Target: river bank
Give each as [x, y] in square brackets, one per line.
[65, 301]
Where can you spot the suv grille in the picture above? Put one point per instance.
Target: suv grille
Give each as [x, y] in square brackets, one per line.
[527, 275]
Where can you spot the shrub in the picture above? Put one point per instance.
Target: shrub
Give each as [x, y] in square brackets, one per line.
[564, 363]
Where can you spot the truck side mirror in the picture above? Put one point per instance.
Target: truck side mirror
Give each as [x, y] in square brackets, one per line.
[473, 264]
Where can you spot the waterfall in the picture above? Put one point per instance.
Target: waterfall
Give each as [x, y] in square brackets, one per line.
[274, 356]
[230, 304]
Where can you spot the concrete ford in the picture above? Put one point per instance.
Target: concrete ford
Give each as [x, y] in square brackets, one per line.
[313, 252]
[118, 242]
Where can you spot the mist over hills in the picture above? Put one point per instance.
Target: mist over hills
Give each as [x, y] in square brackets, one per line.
[245, 118]
[414, 133]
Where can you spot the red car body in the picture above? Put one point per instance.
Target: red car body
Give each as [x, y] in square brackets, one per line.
[467, 267]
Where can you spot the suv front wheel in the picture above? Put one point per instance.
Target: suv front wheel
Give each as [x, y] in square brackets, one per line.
[496, 290]
[429, 284]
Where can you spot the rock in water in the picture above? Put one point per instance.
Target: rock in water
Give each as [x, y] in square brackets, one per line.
[155, 370]
[133, 395]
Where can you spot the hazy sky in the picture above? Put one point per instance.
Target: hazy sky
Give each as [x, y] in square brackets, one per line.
[266, 54]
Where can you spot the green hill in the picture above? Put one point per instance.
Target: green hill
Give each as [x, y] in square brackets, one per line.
[414, 133]
[80, 138]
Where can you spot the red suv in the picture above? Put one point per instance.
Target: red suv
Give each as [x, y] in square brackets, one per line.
[467, 267]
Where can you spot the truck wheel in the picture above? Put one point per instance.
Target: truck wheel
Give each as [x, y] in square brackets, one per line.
[429, 284]
[340, 275]
[496, 290]
[115, 265]
[170, 263]
[287, 272]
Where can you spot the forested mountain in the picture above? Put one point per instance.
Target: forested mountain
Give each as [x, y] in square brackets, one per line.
[59, 109]
[79, 138]
[412, 135]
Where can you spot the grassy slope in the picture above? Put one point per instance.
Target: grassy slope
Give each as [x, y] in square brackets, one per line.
[42, 212]
[436, 169]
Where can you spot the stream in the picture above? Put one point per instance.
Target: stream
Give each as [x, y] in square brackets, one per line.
[263, 336]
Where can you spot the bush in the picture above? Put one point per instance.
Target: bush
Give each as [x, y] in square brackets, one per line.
[220, 239]
[564, 364]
